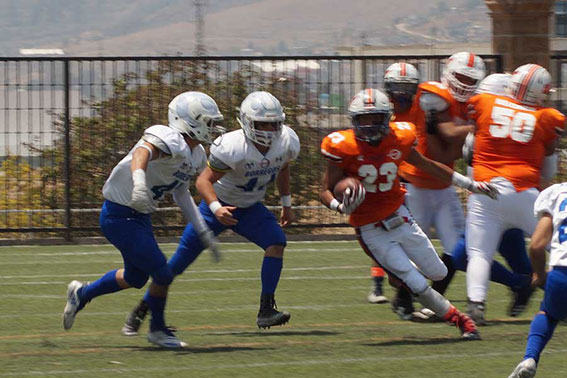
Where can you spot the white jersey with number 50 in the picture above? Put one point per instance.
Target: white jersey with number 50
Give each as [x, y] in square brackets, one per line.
[553, 201]
[248, 170]
[162, 175]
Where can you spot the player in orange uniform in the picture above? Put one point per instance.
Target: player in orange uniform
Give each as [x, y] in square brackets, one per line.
[515, 138]
[372, 152]
[439, 113]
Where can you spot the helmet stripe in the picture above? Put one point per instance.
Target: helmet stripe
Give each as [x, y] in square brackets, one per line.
[403, 69]
[471, 60]
[522, 90]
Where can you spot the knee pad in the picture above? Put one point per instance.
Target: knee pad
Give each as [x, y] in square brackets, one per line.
[163, 276]
[440, 273]
[137, 280]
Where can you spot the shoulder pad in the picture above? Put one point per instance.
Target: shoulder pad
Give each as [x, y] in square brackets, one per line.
[431, 101]
[228, 148]
[165, 138]
[293, 142]
[545, 202]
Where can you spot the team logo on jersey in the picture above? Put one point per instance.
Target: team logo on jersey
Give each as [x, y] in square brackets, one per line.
[279, 159]
[395, 154]
[265, 163]
[249, 165]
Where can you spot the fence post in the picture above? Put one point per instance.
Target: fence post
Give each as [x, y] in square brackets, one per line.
[67, 151]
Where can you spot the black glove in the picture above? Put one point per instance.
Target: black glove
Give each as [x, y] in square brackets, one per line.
[431, 121]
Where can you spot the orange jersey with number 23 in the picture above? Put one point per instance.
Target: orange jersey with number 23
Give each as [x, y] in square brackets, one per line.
[375, 166]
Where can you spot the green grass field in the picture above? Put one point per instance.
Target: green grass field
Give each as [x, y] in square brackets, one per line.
[333, 331]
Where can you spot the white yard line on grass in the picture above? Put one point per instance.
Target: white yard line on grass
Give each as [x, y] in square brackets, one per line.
[329, 362]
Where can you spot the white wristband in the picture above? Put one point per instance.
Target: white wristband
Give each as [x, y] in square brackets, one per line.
[139, 177]
[286, 201]
[214, 206]
[461, 181]
[334, 205]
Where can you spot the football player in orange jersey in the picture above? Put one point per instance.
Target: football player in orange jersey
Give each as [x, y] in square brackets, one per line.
[439, 113]
[372, 152]
[400, 84]
[515, 142]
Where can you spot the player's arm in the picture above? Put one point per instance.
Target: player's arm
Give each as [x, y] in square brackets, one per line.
[214, 171]
[540, 239]
[282, 183]
[141, 197]
[331, 176]
[444, 173]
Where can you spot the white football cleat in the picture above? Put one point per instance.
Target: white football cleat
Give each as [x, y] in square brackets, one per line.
[73, 303]
[525, 369]
[376, 297]
[165, 339]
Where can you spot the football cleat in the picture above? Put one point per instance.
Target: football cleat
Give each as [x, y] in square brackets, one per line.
[269, 315]
[135, 319]
[73, 304]
[376, 295]
[165, 338]
[476, 312]
[402, 305]
[525, 369]
[425, 315]
[465, 324]
[521, 300]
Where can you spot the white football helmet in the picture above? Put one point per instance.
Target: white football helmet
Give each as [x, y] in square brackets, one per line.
[530, 84]
[462, 74]
[370, 101]
[496, 84]
[194, 114]
[400, 82]
[261, 107]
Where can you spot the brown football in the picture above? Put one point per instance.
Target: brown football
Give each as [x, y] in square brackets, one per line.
[341, 186]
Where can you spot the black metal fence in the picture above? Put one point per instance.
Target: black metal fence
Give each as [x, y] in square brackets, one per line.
[65, 122]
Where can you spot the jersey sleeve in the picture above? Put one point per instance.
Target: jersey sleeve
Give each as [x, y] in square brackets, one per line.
[333, 149]
[553, 122]
[167, 139]
[472, 107]
[202, 159]
[294, 144]
[545, 202]
[221, 151]
[429, 101]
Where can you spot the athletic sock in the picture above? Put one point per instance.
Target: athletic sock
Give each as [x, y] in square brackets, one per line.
[157, 308]
[270, 274]
[541, 330]
[104, 285]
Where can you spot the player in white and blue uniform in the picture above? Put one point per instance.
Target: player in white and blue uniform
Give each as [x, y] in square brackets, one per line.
[551, 210]
[241, 165]
[163, 161]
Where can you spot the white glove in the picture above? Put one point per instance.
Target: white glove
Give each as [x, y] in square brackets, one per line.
[483, 187]
[479, 187]
[210, 241]
[141, 198]
[352, 199]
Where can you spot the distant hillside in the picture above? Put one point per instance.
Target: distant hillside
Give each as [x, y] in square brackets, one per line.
[157, 27]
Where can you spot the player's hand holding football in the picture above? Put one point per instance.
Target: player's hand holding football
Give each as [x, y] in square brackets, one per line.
[482, 187]
[352, 198]
[141, 200]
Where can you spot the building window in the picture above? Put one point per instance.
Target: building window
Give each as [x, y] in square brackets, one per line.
[561, 18]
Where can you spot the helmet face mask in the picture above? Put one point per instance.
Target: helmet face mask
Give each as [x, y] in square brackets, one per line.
[400, 83]
[462, 74]
[196, 115]
[372, 127]
[261, 118]
[370, 113]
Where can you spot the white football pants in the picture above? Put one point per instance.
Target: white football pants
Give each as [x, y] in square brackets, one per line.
[438, 208]
[487, 219]
[398, 250]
